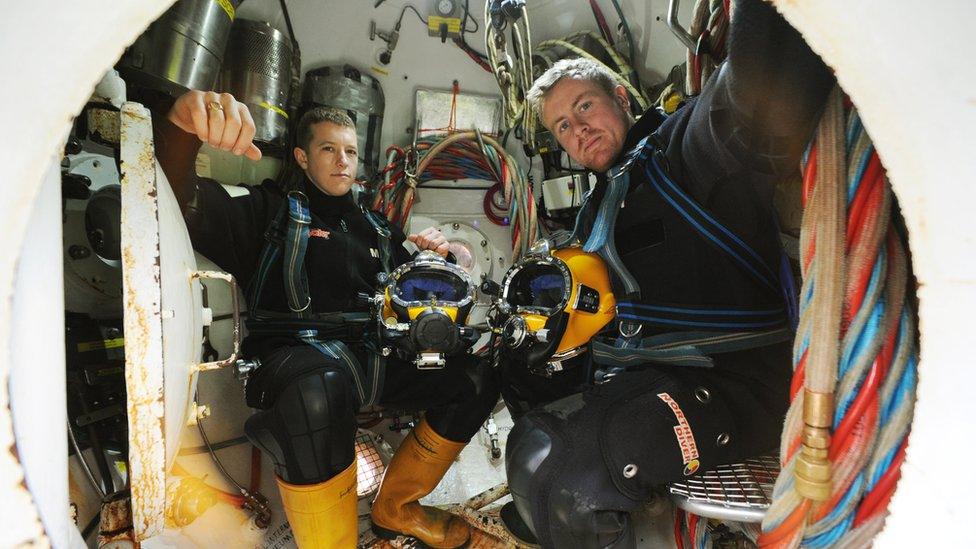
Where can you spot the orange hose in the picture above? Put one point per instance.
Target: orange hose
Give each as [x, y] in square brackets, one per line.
[786, 529]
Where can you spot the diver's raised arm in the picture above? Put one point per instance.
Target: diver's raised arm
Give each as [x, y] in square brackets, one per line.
[201, 117]
[763, 104]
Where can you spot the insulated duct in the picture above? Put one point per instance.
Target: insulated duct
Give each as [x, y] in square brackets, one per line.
[257, 71]
[181, 50]
[360, 95]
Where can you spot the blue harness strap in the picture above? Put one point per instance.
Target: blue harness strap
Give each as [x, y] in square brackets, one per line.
[287, 238]
[368, 381]
[695, 332]
[683, 348]
[293, 261]
[600, 240]
[708, 227]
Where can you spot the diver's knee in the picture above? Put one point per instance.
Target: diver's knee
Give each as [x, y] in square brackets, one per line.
[308, 431]
[485, 384]
[527, 448]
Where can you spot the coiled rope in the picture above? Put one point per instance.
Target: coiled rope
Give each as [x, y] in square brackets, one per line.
[464, 155]
[855, 354]
[621, 72]
[512, 70]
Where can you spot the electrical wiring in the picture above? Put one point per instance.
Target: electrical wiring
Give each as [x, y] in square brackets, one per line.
[512, 71]
[601, 22]
[622, 66]
[465, 155]
[873, 371]
[404, 10]
[630, 40]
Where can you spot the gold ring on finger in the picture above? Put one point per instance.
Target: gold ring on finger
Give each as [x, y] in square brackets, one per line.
[215, 106]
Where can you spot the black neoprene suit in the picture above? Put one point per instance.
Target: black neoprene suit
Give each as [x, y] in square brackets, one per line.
[567, 457]
[307, 402]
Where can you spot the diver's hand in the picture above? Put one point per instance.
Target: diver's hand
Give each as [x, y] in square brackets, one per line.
[431, 239]
[217, 119]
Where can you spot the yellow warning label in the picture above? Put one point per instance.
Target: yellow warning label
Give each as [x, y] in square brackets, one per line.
[271, 107]
[86, 346]
[434, 23]
[228, 7]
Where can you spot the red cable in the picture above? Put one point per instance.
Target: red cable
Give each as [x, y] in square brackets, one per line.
[799, 375]
[865, 396]
[692, 528]
[601, 22]
[879, 497]
[678, 520]
[809, 175]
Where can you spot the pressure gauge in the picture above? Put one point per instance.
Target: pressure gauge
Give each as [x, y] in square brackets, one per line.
[445, 7]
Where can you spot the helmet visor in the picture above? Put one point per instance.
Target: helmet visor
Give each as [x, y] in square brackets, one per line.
[426, 285]
[538, 287]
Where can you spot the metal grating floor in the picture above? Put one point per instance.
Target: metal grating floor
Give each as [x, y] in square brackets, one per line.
[369, 465]
[738, 492]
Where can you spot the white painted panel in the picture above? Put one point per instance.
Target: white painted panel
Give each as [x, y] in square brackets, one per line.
[37, 393]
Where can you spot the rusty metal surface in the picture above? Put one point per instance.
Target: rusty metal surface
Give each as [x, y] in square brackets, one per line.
[104, 123]
[487, 531]
[143, 322]
[115, 522]
[487, 497]
[479, 540]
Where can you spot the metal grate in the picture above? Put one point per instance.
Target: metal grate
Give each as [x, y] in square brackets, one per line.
[738, 492]
[369, 465]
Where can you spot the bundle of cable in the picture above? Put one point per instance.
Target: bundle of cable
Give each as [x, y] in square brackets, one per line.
[464, 155]
[855, 353]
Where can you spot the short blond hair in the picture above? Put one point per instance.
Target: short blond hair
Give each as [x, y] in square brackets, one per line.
[577, 69]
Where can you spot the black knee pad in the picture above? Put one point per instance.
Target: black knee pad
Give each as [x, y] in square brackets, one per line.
[527, 448]
[560, 483]
[309, 431]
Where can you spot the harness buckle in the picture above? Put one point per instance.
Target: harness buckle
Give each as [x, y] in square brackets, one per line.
[629, 329]
[303, 309]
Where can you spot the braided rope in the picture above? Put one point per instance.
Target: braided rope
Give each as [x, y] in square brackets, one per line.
[866, 349]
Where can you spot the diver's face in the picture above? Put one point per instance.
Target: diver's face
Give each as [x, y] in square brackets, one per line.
[589, 124]
[331, 159]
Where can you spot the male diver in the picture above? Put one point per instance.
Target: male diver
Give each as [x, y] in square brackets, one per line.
[305, 253]
[696, 370]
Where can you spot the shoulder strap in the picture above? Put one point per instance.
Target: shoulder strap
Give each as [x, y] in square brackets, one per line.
[601, 240]
[708, 226]
[293, 260]
[273, 236]
[383, 233]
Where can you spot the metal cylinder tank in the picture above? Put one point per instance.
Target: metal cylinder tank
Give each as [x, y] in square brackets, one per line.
[257, 71]
[183, 49]
[360, 95]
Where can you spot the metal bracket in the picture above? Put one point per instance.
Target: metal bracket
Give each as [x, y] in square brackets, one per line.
[236, 315]
[683, 35]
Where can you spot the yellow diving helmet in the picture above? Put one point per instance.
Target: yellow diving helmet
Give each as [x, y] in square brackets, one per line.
[556, 300]
[424, 306]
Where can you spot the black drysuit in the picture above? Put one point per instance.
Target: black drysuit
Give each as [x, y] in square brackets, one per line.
[307, 401]
[580, 464]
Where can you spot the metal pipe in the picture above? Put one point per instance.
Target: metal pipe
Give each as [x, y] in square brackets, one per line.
[676, 28]
[84, 464]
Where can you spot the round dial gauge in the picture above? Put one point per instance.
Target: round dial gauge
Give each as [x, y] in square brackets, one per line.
[445, 7]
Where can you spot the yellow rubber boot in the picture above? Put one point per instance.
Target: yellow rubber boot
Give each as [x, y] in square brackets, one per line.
[323, 515]
[418, 465]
